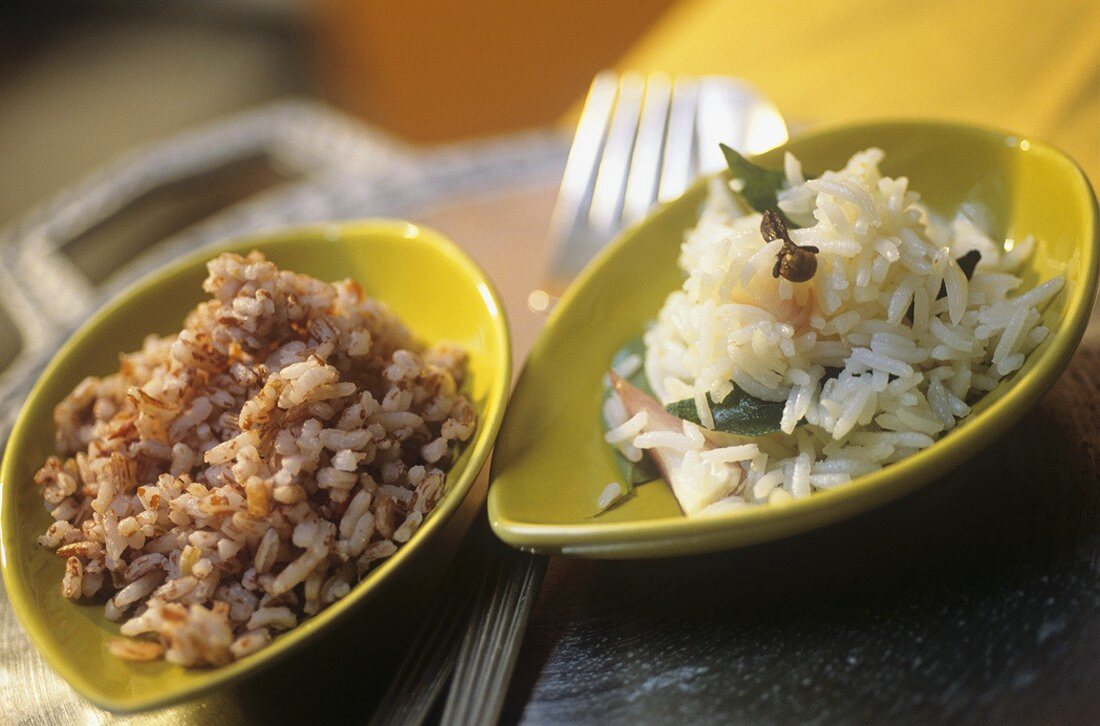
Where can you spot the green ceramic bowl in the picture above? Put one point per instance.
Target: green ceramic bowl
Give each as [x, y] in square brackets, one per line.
[551, 463]
[433, 286]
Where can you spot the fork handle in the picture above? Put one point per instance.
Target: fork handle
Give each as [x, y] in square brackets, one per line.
[494, 635]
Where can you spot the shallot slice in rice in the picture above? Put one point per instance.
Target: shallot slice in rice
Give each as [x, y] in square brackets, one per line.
[677, 448]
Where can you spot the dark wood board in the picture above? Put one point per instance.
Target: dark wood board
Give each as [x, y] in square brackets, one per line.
[974, 600]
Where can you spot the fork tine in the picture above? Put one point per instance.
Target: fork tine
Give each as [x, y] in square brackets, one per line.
[737, 115]
[720, 119]
[637, 138]
[490, 645]
[579, 176]
[634, 140]
[678, 165]
[607, 196]
[645, 164]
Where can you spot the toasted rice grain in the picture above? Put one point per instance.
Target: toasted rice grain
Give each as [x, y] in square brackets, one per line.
[136, 650]
[222, 485]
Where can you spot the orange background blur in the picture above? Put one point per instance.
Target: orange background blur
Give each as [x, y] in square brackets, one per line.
[434, 71]
[81, 82]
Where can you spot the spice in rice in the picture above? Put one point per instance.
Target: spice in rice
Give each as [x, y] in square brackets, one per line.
[876, 331]
[237, 477]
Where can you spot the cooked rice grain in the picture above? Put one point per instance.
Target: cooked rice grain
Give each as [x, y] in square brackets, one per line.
[225, 482]
[909, 360]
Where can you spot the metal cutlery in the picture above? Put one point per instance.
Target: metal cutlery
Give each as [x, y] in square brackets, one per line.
[640, 140]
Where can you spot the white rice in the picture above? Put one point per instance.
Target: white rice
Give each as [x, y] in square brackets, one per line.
[910, 360]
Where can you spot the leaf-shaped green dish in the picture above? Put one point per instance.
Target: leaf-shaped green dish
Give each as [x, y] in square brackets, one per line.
[550, 463]
[432, 285]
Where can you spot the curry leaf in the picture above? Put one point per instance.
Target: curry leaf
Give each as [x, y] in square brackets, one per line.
[633, 472]
[633, 347]
[968, 263]
[759, 185]
[738, 413]
[636, 472]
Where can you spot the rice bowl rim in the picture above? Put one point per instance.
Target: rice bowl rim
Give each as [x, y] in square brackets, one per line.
[679, 535]
[459, 481]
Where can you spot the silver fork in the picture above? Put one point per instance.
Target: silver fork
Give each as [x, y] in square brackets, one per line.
[640, 140]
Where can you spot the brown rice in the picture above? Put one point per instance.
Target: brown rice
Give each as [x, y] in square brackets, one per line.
[232, 479]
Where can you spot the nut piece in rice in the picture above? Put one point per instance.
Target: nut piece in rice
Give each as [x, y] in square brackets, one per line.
[233, 479]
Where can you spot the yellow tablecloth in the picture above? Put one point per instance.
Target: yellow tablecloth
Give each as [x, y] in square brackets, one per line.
[1027, 66]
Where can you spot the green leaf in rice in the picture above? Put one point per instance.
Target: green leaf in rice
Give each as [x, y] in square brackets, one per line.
[759, 185]
[967, 263]
[633, 347]
[633, 472]
[738, 413]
